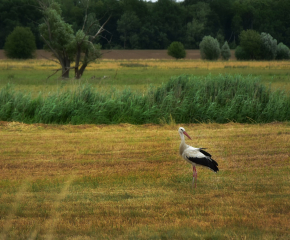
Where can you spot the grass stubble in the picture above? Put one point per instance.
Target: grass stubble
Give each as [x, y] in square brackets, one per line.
[128, 182]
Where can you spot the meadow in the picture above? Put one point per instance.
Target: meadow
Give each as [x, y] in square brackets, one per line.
[33, 75]
[125, 181]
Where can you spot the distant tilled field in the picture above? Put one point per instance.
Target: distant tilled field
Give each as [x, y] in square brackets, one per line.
[128, 54]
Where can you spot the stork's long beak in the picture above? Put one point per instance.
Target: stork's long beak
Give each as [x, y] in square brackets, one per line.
[186, 135]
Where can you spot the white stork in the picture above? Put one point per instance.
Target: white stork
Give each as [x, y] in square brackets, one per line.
[195, 156]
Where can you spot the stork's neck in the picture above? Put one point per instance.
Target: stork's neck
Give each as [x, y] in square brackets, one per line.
[182, 146]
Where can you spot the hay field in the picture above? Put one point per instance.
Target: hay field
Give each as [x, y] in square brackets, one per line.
[128, 182]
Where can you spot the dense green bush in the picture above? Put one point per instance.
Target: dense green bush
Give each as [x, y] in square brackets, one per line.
[209, 48]
[258, 46]
[226, 51]
[283, 52]
[241, 54]
[176, 50]
[251, 42]
[20, 43]
[268, 47]
[186, 99]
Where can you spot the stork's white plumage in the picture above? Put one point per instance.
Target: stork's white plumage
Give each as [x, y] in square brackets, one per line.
[195, 156]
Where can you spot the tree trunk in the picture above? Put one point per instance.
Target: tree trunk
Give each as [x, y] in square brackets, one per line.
[65, 68]
[80, 71]
[77, 62]
[125, 39]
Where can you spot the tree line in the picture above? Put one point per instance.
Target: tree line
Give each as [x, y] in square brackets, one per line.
[137, 24]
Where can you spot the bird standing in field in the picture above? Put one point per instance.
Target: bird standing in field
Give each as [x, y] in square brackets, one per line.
[195, 156]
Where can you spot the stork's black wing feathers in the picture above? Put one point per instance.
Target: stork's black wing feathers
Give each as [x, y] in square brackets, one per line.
[204, 152]
[206, 162]
[207, 154]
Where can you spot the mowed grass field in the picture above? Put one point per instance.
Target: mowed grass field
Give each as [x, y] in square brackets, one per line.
[128, 182]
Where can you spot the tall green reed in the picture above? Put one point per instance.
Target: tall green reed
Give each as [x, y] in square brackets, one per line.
[185, 99]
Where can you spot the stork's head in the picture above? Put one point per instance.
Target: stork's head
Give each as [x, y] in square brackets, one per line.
[182, 132]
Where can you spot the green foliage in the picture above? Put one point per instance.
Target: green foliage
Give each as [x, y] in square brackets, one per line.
[268, 47]
[128, 26]
[241, 54]
[209, 48]
[184, 99]
[161, 22]
[195, 29]
[168, 18]
[251, 42]
[93, 50]
[59, 35]
[194, 33]
[176, 50]
[19, 13]
[283, 52]
[68, 46]
[226, 51]
[20, 43]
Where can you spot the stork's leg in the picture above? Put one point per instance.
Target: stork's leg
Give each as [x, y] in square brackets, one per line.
[194, 176]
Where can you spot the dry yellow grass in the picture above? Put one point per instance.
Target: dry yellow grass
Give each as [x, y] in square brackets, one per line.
[128, 182]
[43, 64]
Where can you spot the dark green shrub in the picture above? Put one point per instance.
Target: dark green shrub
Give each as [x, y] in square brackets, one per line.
[251, 42]
[241, 54]
[225, 51]
[176, 50]
[209, 48]
[20, 43]
[283, 52]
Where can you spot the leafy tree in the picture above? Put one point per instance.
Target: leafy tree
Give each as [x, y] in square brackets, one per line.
[246, 10]
[273, 17]
[19, 13]
[251, 42]
[169, 17]
[128, 25]
[209, 48]
[58, 36]
[220, 37]
[236, 27]
[283, 52]
[148, 35]
[176, 50]
[194, 32]
[225, 51]
[268, 47]
[195, 29]
[20, 43]
[66, 45]
[219, 19]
